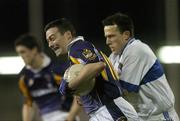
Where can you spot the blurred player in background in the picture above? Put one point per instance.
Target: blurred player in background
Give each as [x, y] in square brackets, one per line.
[39, 82]
[104, 102]
[141, 74]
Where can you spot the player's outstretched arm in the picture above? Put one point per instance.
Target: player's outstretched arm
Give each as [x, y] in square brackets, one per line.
[88, 72]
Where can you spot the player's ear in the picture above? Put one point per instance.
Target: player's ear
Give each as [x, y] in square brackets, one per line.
[126, 35]
[68, 35]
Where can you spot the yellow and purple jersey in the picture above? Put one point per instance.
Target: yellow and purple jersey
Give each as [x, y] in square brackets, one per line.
[106, 87]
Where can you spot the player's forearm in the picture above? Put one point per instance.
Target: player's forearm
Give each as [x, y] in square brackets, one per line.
[27, 113]
[88, 72]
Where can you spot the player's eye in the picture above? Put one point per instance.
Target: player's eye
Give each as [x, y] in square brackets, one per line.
[52, 38]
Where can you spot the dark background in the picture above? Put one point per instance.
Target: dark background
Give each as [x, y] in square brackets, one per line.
[149, 20]
[148, 16]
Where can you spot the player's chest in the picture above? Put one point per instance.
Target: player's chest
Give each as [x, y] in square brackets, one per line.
[117, 63]
[39, 81]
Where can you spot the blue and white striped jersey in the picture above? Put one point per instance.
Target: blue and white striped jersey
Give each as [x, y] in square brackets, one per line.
[142, 76]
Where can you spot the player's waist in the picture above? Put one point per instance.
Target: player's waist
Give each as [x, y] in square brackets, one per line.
[110, 105]
[92, 106]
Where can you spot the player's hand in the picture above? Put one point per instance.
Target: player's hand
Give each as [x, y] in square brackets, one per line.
[78, 100]
[64, 89]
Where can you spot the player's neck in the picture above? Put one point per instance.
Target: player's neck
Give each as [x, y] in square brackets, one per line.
[38, 61]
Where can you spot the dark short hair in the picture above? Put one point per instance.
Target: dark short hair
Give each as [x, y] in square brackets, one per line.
[63, 25]
[123, 21]
[28, 41]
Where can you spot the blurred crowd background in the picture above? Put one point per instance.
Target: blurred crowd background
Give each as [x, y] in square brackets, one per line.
[156, 23]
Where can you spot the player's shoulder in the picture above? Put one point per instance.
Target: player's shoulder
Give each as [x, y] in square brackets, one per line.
[22, 76]
[23, 71]
[26, 73]
[80, 44]
[81, 47]
[138, 48]
[49, 65]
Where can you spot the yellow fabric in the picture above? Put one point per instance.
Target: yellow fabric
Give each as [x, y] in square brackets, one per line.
[74, 60]
[104, 74]
[57, 78]
[25, 91]
[114, 74]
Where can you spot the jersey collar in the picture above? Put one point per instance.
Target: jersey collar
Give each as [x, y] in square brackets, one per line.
[46, 62]
[75, 40]
[128, 43]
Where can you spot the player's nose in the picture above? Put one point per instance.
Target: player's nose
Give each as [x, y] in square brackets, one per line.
[108, 41]
[51, 45]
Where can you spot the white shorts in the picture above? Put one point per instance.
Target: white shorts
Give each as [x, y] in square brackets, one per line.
[103, 114]
[56, 116]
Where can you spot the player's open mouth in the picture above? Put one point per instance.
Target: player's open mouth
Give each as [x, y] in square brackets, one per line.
[55, 48]
[58, 51]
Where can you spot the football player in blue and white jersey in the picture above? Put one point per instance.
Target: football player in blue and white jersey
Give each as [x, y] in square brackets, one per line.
[141, 74]
[39, 81]
[104, 102]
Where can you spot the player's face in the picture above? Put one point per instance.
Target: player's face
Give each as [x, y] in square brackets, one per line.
[114, 39]
[27, 54]
[57, 42]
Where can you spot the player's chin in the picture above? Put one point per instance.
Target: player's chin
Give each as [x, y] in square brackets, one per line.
[62, 53]
[112, 50]
[115, 52]
[58, 52]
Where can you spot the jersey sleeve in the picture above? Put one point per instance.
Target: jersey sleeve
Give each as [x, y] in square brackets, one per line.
[24, 90]
[83, 52]
[58, 71]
